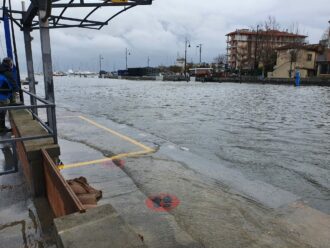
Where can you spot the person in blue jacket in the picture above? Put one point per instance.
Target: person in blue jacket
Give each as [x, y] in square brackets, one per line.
[8, 86]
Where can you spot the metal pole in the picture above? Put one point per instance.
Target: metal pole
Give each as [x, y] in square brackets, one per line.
[9, 47]
[329, 36]
[100, 62]
[47, 68]
[200, 53]
[29, 63]
[185, 58]
[187, 44]
[255, 50]
[126, 58]
[16, 67]
[30, 68]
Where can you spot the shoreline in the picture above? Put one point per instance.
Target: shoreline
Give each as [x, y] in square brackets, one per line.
[244, 80]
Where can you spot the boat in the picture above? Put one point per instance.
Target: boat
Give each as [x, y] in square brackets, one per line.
[26, 81]
[59, 74]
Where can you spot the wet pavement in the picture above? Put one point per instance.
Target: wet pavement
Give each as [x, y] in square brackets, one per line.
[19, 219]
[24, 222]
[218, 207]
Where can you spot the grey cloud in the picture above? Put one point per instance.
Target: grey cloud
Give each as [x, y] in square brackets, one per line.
[158, 31]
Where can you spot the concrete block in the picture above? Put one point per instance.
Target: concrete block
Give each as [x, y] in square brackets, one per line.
[100, 227]
[30, 151]
[34, 153]
[37, 178]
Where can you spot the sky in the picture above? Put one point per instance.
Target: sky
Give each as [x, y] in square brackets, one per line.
[159, 31]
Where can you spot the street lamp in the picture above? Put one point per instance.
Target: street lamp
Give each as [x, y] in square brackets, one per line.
[100, 61]
[329, 36]
[200, 53]
[187, 44]
[126, 56]
[256, 63]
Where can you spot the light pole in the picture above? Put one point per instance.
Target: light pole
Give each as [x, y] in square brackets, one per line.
[200, 53]
[329, 36]
[100, 61]
[256, 64]
[187, 44]
[126, 56]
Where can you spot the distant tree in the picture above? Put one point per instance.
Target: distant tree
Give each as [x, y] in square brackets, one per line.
[294, 56]
[267, 46]
[266, 41]
[326, 36]
[220, 59]
[271, 24]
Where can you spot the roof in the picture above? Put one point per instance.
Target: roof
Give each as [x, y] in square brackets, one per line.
[266, 33]
[311, 47]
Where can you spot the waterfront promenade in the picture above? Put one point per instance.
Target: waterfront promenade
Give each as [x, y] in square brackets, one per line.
[219, 205]
[216, 209]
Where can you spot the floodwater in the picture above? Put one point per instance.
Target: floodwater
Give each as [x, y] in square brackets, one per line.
[276, 134]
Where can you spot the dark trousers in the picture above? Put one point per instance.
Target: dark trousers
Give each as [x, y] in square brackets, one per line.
[3, 113]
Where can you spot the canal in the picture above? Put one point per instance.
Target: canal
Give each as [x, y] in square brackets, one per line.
[276, 134]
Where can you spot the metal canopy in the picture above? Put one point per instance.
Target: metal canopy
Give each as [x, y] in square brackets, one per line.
[27, 19]
[39, 16]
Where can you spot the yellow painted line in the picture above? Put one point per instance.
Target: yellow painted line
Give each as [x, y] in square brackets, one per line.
[99, 161]
[116, 133]
[146, 149]
[67, 116]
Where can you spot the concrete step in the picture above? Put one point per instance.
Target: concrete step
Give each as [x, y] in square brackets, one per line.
[98, 227]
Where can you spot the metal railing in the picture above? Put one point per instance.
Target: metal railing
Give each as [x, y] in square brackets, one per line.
[49, 127]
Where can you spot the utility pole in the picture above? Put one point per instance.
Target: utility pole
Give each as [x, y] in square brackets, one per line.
[256, 64]
[148, 62]
[200, 53]
[100, 61]
[126, 57]
[187, 44]
[329, 36]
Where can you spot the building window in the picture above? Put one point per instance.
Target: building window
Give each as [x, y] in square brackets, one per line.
[309, 57]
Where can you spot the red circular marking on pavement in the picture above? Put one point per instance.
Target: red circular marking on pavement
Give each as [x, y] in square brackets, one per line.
[114, 163]
[162, 202]
[119, 163]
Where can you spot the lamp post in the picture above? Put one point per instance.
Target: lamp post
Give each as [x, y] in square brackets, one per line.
[126, 56]
[100, 62]
[329, 36]
[200, 53]
[187, 44]
[256, 64]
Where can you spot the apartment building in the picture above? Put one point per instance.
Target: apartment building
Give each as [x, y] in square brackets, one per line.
[246, 48]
